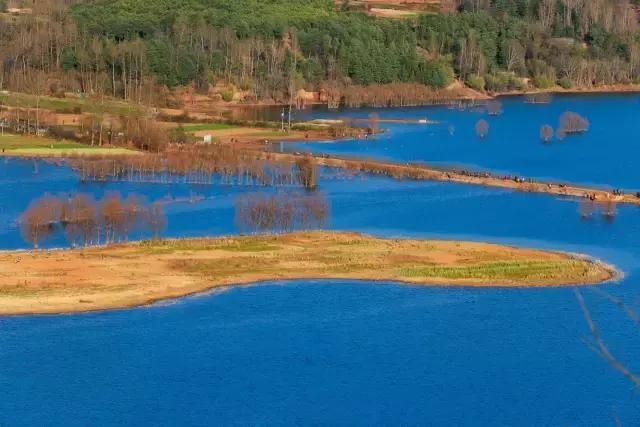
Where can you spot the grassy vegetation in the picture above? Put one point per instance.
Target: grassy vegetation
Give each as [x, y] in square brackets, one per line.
[25, 145]
[517, 270]
[64, 152]
[67, 105]
[237, 244]
[393, 13]
[207, 126]
[22, 142]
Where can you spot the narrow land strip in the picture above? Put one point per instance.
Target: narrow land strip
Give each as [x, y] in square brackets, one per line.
[39, 147]
[256, 141]
[423, 172]
[136, 274]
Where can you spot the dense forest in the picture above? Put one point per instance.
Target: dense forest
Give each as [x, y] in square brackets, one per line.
[140, 49]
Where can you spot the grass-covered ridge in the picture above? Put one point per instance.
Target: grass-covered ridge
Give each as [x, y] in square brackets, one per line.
[138, 273]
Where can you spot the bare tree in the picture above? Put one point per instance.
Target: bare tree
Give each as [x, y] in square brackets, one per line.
[546, 13]
[374, 120]
[132, 209]
[39, 219]
[494, 107]
[538, 98]
[84, 221]
[514, 55]
[586, 208]
[307, 172]
[259, 213]
[112, 216]
[609, 210]
[86, 218]
[561, 134]
[546, 133]
[482, 128]
[573, 123]
[155, 219]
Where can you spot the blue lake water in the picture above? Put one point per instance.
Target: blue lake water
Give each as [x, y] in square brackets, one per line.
[335, 352]
[606, 155]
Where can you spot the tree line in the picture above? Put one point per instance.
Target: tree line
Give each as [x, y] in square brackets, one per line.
[200, 164]
[136, 49]
[277, 213]
[85, 221]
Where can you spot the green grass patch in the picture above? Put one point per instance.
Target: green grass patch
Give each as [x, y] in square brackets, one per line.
[25, 145]
[195, 127]
[236, 245]
[67, 105]
[15, 142]
[495, 270]
[63, 152]
[225, 267]
[247, 245]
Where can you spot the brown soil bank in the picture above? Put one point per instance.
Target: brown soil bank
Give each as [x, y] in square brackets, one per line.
[135, 274]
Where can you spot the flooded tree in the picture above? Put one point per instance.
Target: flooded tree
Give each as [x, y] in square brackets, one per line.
[307, 172]
[538, 98]
[132, 210]
[374, 123]
[260, 213]
[85, 221]
[494, 108]
[206, 165]
[482, 128]
[572, 123]
[112, 216]
[609, 210]
[546, 133]
[155, 219]
[38, 221]
[586, 209]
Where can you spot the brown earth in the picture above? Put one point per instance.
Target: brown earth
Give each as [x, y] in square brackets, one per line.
[136, 274]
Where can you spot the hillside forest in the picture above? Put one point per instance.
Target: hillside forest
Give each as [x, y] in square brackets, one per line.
[140, 50]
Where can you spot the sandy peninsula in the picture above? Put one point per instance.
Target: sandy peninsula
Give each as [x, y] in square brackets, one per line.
[136, 274]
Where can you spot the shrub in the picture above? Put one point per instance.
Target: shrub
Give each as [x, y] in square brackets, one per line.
[502, 82]
[543, 81]
[227, 95]
[475, 82]
[565, 83]
[178, 135]
[437, 74]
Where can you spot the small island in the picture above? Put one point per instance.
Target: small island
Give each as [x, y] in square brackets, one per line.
[139, 273]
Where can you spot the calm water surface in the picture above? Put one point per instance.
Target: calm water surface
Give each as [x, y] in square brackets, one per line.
[606, 155]
[335, 352]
